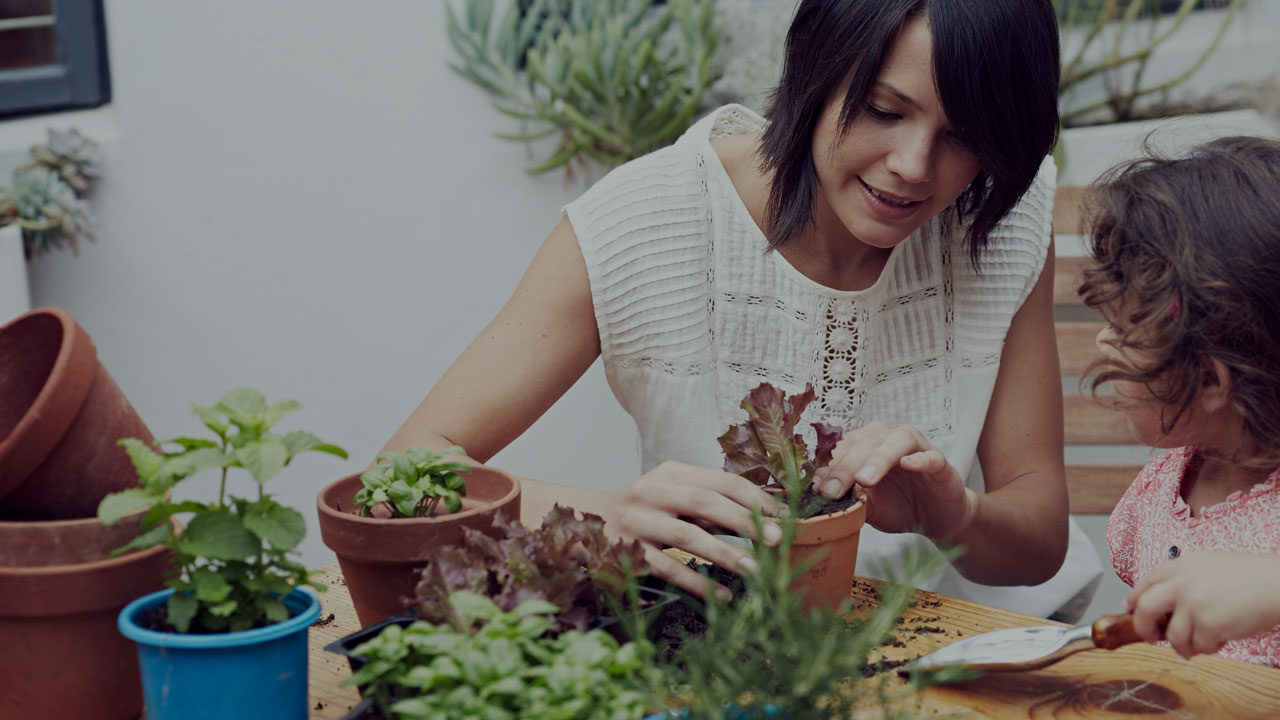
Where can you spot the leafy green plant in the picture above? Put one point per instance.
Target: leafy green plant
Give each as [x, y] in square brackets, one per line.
[231, 562]
[763, 652]
[566, 562]
[1117, 39]
[614, 79]
[47, 195]
[767, 450]
[414, 483]
[495, 664]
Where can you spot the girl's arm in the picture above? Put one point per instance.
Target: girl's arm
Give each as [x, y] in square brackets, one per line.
[1016, 532]
[539, 344]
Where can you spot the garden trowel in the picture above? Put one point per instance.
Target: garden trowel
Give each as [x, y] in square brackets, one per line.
[1029, 648]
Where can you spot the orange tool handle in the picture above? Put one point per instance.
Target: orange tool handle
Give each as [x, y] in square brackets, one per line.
[1113, 631]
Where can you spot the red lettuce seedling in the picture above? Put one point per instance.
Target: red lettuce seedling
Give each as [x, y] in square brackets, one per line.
[567, 562]
[766, 448]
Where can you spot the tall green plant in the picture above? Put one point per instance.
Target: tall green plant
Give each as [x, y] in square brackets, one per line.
[231, 563]
[764, 654]
[613, 79]
[1118, 39]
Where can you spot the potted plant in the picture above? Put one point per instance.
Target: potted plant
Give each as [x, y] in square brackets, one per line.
[489, 663]
[765, 654]
[385, 524]
[60, 592]
[767, 451]
[610, 81]
[229, 637]
[43, 208]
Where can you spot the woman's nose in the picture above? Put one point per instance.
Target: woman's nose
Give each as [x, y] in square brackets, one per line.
[912, 159]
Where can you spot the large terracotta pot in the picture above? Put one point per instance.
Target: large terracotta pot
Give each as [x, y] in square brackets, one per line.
[59, 597]
[381, 558]
[834, 539]
[60, 417]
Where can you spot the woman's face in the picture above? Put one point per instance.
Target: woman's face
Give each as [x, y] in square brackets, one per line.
[900, 162]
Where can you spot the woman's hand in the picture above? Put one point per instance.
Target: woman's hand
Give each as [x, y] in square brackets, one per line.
[1207, 599]
[909, 483]
[675, 505]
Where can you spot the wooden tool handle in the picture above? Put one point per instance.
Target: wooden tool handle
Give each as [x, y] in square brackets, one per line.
[1113, 631]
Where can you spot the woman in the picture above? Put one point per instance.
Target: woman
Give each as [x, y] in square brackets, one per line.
[884, 234]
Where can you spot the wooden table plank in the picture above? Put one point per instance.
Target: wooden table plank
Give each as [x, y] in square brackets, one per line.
[1142, 681]
[1135, 681]
[328, 699]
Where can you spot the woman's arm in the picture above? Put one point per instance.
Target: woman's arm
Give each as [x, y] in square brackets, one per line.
[539, 344]
[1018, 534]
[1015, 532]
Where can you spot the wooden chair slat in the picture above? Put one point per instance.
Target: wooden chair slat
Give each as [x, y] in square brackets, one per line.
[1095, 489]
[1068, 273]
[1067, 218]
[1090, 423]
[1076, 347]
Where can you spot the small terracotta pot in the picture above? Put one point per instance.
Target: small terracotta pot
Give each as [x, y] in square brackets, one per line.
[829, 582]
[60, 417]
[381, 558]
[59, 597]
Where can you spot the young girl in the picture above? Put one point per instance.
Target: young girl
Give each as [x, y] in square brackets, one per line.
[1189, 280]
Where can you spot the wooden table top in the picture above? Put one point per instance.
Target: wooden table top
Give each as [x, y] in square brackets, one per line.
[1138, 681]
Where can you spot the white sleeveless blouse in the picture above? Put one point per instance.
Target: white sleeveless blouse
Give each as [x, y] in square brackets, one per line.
[693, 313]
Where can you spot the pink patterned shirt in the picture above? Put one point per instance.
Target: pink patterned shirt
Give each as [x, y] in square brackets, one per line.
[1152, 523]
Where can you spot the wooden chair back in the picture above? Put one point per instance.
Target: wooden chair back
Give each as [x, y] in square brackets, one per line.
[1091, 429]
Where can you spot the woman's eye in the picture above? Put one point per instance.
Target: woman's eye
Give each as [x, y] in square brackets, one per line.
[879, 114]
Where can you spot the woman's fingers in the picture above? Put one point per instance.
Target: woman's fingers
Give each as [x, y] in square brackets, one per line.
[680, 574]
[872, 451]
[715, 499]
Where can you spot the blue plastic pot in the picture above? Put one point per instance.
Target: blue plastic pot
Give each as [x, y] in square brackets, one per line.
[260, 673]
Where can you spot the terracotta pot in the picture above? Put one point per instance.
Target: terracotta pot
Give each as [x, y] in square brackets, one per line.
[60, 417]
[381, 558]
[835, 537]
[63, 656]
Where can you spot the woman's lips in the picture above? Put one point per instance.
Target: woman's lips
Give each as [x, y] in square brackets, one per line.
[887, 205]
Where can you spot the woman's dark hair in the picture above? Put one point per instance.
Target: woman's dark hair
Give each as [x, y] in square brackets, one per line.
[1188, 251]
[996, 67]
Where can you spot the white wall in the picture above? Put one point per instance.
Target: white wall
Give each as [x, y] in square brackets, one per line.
[302, 197]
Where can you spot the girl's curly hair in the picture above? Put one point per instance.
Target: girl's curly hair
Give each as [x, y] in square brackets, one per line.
[1188, 249]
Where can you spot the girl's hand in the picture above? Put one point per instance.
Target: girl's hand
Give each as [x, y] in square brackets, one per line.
[1207, 598]
[675, 505]
[909, 483]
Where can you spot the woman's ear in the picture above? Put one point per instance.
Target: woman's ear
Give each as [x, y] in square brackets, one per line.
[1215, 385]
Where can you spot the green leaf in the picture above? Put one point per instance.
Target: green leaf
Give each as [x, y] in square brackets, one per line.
[210, 587]
[182, 607]
[198, 460]
[158, 535]
[117, 505]
[224, 609]
[263, 458]
[273, 609]
[189, 443]
[283, 528]
[473, 606]
[300, 441]
[218, 535]
[244, 402]
[211, 418]
[146, 461]
[279, 410]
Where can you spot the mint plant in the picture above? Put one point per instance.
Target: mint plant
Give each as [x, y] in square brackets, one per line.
[566, 562]
[231, 563]
[767, 450]
[414, 483]
[490, 663]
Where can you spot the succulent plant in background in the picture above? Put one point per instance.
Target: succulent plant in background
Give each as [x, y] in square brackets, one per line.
[47, 195]
[1116, 39]
[614, 79]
